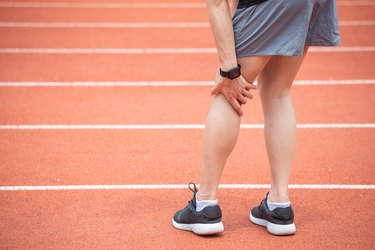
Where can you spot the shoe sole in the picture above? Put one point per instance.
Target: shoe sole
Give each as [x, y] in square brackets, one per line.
[274, 229]
[201, 229]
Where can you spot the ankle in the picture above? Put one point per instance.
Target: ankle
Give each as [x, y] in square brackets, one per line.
[205, 195]
[278, 197]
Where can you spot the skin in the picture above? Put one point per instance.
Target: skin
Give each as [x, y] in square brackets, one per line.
[275, 78]
[236, 91]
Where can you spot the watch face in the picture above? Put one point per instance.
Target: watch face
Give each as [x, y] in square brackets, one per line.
[234, 73]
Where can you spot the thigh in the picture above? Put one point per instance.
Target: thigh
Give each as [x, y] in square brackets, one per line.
[279, 73]
[252, 66]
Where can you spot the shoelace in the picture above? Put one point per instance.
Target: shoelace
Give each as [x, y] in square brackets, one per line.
[194, 188]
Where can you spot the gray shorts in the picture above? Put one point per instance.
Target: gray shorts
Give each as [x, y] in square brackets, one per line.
[284, 27]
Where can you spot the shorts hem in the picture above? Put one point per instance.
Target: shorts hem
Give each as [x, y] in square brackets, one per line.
[269, 54]
[323, 44]
[274, 53]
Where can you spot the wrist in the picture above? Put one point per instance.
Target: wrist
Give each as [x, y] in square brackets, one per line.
[231, 73]
[229, 65]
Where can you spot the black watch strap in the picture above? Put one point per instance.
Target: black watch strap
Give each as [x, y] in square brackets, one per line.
[232, 73]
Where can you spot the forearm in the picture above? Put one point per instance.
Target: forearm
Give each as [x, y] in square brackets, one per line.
[222, 29]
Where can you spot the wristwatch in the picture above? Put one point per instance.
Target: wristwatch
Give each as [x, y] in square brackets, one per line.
[232, 73]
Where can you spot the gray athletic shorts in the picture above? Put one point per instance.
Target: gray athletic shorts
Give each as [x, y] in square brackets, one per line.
[284, 27]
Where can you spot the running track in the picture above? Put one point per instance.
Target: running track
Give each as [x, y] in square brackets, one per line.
[102, 108]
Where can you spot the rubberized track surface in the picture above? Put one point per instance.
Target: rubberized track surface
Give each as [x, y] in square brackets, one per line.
[137, 217]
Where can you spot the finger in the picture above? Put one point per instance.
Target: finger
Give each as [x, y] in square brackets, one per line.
[236, 106]
[253, 86]
[247, 84]
[215, 89]
[241, 102]
[241, 99]
[247, 94]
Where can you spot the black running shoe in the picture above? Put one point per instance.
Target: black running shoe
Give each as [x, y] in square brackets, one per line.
[279, 221]
[207, 221]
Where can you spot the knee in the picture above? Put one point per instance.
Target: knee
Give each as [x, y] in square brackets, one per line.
[273, 90]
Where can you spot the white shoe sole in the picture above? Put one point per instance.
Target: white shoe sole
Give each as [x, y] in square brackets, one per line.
[274, 229]
[201, 229]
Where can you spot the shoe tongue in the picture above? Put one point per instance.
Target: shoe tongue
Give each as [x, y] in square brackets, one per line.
[194, 201]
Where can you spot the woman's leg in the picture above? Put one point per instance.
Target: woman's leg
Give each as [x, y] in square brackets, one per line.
[274, 87]
[221, 132]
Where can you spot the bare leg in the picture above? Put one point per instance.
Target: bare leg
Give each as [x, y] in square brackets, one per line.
[274, 87]
[221, 133]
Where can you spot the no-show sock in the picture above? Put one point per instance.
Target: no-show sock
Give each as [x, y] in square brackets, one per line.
[200, 205]
[274, 205]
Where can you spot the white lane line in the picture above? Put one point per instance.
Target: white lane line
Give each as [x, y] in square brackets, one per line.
[92, 5]
[144, 5]
[334, 82]
[171, 83]
[110, 51]
[356, 3]
[172, 126]
[342, 49]
[138, 24]
[105, 24]
[357, 23]
[157, 50]
[108, 84]
[179, 186]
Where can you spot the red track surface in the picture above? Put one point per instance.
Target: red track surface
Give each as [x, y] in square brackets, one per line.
[139, 15]
[136, 38]
[65, 105]
[137, 219]
[191, 67]
[141, 220]
[95, 157]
